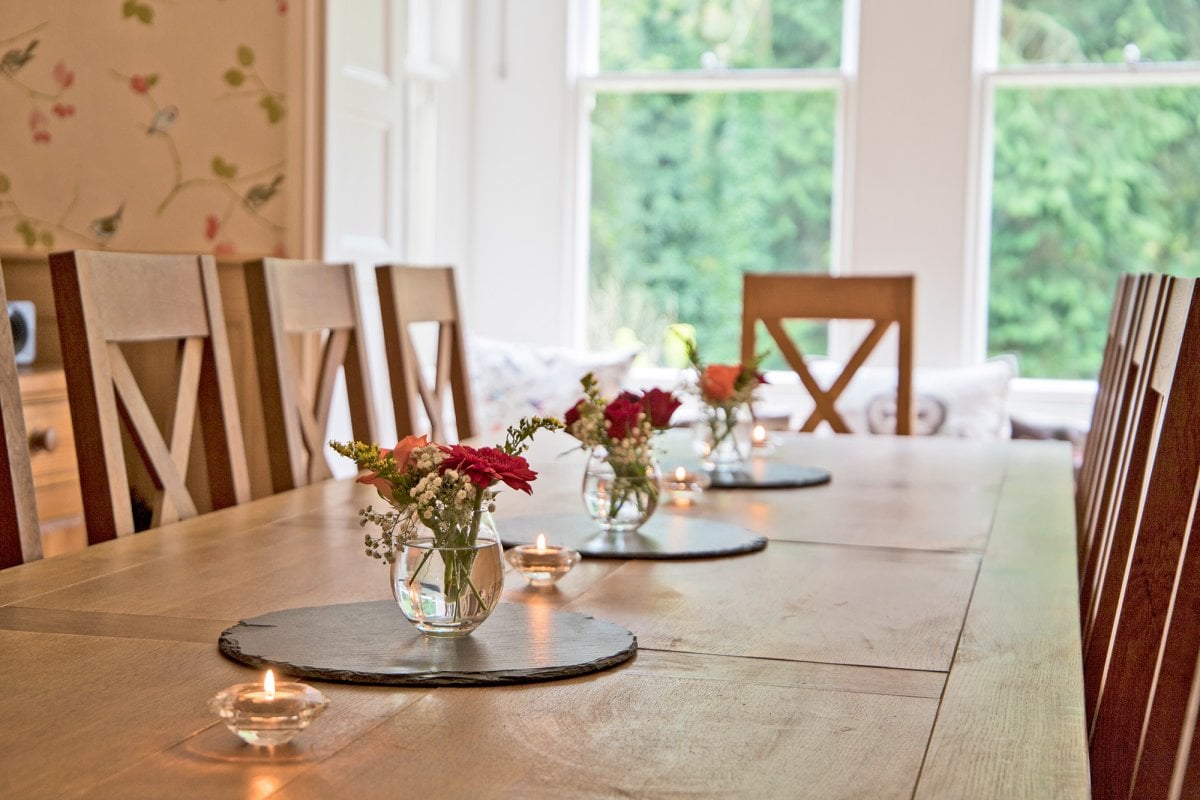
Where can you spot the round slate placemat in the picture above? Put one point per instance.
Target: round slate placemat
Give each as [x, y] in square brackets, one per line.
[373, 643]
[770, 475]
[663, 536]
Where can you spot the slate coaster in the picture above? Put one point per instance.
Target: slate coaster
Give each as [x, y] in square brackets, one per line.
[373, 643]
[663, 536]
[771, 475]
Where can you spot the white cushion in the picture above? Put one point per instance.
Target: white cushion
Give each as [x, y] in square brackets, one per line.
[511, 380]
[974, 398]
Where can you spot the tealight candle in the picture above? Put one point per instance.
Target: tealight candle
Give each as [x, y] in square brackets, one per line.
[759, 439]
[684, 488]
[266, 714]
[542, 564]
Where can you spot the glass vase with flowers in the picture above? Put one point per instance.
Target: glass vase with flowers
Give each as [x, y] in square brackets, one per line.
[726, 392]
[438, 536]
[621, 481]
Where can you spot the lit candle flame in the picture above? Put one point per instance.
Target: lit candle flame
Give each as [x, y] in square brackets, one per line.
[269, 685]
[541, 543]
[759, 435]
[680, 474]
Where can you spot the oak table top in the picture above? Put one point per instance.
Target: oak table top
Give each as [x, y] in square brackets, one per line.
[910, 631]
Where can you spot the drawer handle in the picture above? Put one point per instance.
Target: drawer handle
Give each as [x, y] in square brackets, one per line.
[43, 439]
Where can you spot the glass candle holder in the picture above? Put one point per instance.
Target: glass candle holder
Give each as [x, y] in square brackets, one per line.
[265, 714]
[761, 441]
[683, 488]
[542, 564]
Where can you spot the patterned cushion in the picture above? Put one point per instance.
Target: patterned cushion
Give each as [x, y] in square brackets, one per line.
[511, 380]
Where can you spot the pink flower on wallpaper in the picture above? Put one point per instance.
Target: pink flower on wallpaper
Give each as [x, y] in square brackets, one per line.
[212, 226]
[282, 6]
[63, 76]
[139, 83]
[63, 110]
[280, 250]
[37, 119]
[224, 249]
[41, 137]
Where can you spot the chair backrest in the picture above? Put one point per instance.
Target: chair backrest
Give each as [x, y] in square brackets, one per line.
[773, 298]
[306, 301]
[1126, 448]
[1106, 408]
[409, 296]
[20, 539]
[108, 301]
[1141, 674]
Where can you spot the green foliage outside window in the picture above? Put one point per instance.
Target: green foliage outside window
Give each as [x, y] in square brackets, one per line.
[689, 191]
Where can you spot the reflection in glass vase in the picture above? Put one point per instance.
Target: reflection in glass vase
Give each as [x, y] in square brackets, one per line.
[620, 494]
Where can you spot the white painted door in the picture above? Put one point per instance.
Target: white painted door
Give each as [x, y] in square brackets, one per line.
[365, 147]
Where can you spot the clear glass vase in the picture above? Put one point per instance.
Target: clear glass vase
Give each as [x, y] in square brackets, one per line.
[449, 591]
[722, 438]
[621, 494]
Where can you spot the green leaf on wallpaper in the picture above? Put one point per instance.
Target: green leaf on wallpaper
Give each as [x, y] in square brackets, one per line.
[223, 169]
[151, 79]
[129, 8]
[4, 184]
[47, 239]
[273, 106]
[234, 77]
[145, 14]
[245, 56]
[27, 233]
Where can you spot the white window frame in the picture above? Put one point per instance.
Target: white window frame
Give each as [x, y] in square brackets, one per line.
[1064, 399]
[589, 81]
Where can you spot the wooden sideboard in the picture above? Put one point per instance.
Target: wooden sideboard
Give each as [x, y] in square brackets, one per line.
[52, 458]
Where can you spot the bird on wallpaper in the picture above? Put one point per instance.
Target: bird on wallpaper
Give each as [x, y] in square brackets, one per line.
[103, 228]
[12, 61]
[262, 192]
[162, 119]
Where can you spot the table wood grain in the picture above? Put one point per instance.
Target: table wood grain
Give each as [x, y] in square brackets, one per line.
[910, 631]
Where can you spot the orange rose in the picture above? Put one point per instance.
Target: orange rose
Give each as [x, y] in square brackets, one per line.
[404, 448]
[717, 381]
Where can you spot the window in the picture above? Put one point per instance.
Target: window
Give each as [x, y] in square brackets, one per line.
[1096, 168]
[713, 129]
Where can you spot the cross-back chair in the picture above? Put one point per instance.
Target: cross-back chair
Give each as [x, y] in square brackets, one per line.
[1140, 672]
[299, 301]
[410, 296]
[1126, 442]
[773, 298]
[109, 302]
[20, 538]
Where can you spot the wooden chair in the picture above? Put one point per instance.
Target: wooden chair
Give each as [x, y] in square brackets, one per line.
[1105, 409]
[1126, 442]
[303, 301]
[413, 295]
[109, 303]
[20, 539]
[773, 298]
[1141, 677]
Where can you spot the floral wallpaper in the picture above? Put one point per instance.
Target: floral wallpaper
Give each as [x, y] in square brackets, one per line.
[143, 125]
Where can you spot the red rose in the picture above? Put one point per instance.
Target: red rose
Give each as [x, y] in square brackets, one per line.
[572, 415]
[659, 406]
[485, 466]
[717, 382]
[621, 415]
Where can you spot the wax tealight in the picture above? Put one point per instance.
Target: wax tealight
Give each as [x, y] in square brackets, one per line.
[268, 713]
[540, 563]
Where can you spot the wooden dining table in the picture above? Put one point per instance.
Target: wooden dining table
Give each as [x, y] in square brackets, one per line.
[909, 631]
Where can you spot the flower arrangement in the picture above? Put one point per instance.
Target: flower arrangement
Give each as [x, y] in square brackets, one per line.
[444, 488]
[620, 433]
[723, 389]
